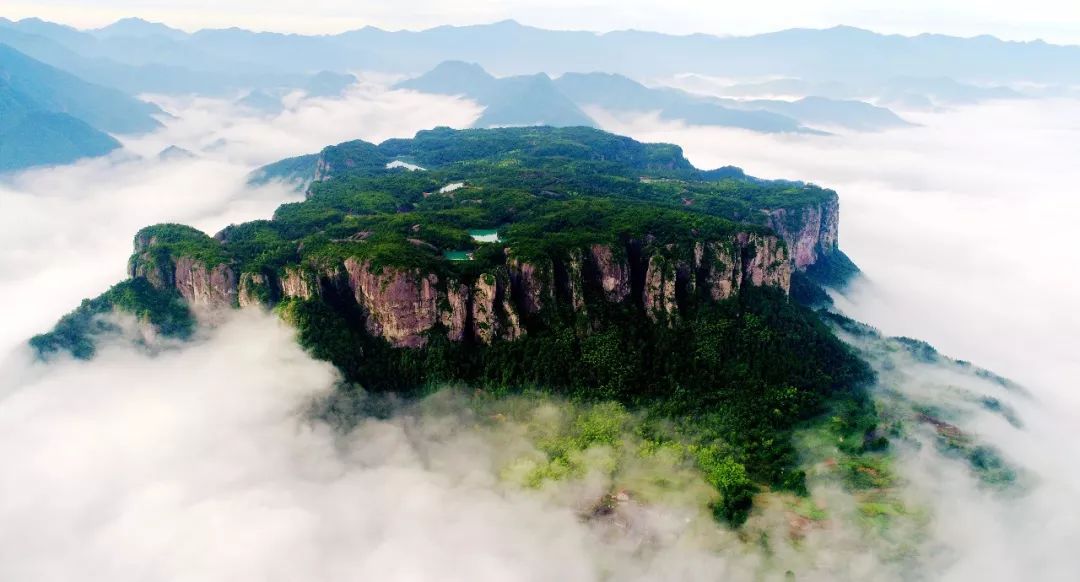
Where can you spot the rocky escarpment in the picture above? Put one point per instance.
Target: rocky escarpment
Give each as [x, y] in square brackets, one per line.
[810, 231]
[405, 306]
[202, 282]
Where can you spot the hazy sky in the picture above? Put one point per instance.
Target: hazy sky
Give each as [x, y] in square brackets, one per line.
[1052, 20]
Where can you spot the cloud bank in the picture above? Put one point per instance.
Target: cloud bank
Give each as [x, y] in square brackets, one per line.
[198, 464]
[205, 462]
[963, 228]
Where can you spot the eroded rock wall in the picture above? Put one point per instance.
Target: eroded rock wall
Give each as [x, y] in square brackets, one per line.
[405, 306]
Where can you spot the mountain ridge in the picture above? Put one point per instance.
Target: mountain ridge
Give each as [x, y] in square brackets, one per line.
[539, 100]
[49, 117]
[102, 107]
[509, 49]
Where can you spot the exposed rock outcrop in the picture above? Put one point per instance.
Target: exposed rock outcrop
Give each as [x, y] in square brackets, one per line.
[485, 293]
[213, 287]
[202, 286]
[455, 315]
[765, 263]
[323, 171]
[613, 271]
[494, 314]
[511, 327]
[810, 232]
[659, 294]
[716, 265]
[295, 283]
[571, 277]
[143, 263]
[405, 306]
[254, 290]
[531, 283]
[400, 305]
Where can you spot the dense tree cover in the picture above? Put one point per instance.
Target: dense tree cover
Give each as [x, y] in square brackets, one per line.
[299, 169]
[739, 375]
[833, 270]
[743, 372]
[158, 246]
[76, 332]
[547, 190]
[180, 240]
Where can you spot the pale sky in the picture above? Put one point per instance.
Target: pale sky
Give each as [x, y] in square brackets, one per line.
[1051, 20]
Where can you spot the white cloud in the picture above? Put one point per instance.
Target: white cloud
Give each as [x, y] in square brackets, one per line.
[199, 463]
[964, 228]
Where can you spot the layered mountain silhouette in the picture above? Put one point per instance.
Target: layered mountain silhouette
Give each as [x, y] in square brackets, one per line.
[136, 55]
[540, 100]
[48, 116]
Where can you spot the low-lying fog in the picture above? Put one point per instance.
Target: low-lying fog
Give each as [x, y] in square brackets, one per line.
[200, 462]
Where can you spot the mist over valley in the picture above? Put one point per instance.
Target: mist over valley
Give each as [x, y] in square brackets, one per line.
[498, 302]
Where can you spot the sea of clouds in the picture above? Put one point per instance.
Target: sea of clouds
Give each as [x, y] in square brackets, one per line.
[964, 230]
[201, 462]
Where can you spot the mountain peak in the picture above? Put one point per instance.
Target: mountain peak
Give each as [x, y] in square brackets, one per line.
[461, 66]
[138, 27]
[452, 78]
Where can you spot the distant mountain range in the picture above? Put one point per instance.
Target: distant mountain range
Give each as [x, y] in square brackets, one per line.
[539, 100]
[137, 55]
[48, 116]
[510, 101]
[63, 90]
[149, 62]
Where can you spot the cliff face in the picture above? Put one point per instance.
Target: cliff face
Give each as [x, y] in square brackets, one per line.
[203, 286]
[404, 306]
[213, 287]
[614, 273]
[810, 232]
[400, 305]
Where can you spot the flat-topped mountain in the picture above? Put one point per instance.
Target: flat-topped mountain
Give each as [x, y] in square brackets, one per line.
[569, 260]
[569, 208]
[805, 216]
